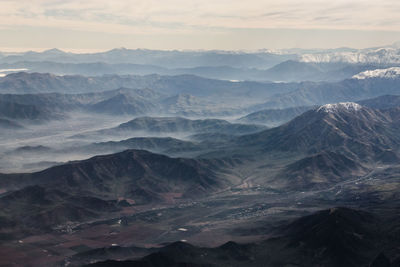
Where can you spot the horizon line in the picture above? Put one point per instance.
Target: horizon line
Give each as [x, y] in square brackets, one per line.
[21, 50]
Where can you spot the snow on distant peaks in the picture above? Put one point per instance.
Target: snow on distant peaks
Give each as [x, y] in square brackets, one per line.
[381, 56]
[389, 73]
[343, 106]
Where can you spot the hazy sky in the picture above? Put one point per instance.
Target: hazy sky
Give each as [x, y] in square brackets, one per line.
[197, 24]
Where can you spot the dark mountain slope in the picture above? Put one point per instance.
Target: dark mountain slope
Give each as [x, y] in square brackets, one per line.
[39, 208]
[321, 169]
[336, 237]
[333, 237]
[139, 175]
[79, 191]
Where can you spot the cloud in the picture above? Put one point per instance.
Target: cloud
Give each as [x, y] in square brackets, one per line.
[181, 16]
[146, 22]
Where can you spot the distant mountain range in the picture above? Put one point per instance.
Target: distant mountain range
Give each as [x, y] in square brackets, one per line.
[311, 94]
[48, 96]
[288, 66]
[25, 83]
[287, 71]
[179, 59]
[180, 95]
[175, 59]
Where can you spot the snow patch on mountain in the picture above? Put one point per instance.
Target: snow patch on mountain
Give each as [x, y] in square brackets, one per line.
[390, 73]
[343, 106]
[381, 56]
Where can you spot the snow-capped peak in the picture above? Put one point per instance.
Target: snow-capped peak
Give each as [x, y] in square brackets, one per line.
[334, 108]
[389, 73]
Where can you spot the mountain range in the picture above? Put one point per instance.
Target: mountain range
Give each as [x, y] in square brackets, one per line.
[83, 190]
[179, 95]
[311, 94]
[320, 151]
[287, 71]
[176, 59]
[200, 158]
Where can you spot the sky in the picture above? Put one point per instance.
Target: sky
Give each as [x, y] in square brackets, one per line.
[89, 25]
